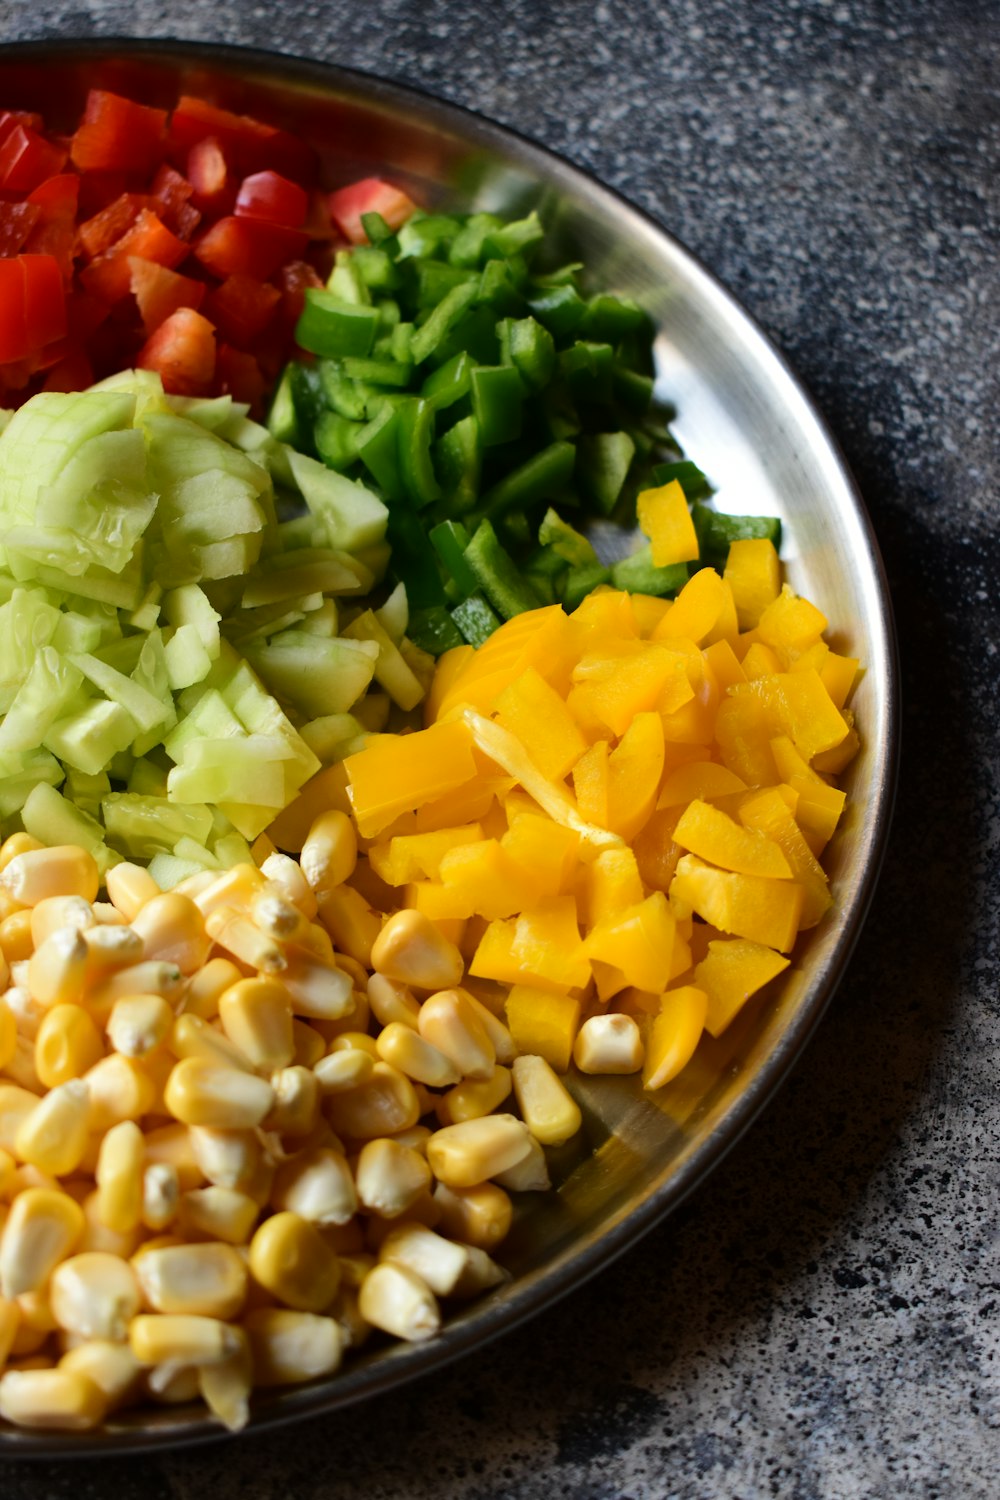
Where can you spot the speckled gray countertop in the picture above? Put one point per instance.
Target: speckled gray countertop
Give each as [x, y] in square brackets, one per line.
[821, 1321]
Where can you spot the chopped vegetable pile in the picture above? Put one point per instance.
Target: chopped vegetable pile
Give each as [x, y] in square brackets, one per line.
[351, 805]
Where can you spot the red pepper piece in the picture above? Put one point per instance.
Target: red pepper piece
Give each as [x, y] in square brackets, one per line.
[242, 307]
[96, 235]
[84, 315]
[248, 247]
[213, 191]
[98, 189]
[238, 374]
[369, 196]
[55, 229]
[160, 292]
[118, 135]
[32, 306]
[9, 118]
[269, 196]
[293, 278]
[173, 193]
[248, 144]
[109, 276]
[26, 159]
[182, 350]
[17, 220]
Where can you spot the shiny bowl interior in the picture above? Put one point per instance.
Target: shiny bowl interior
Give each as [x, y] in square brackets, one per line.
[743, 416]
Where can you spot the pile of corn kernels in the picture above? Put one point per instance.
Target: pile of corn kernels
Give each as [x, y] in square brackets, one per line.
[215, 1171]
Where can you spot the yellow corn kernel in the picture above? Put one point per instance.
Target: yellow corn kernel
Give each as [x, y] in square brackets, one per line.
[138, 1024]
[8, 1034]
[355, 1041]
[398, 1301]
[107, 915]
[62, 870]
[109, 948]
[529, 1175]
[161, 1193]
[450, 1023]
[317, 1186]
[170, 1383]
[57, 912]
[7, 1170]
[225, 1387]
[68, 1045]
[289, 1347]
[256, 1016]
[173, 930]
[15, 937]
[200, 1092]
[112, 1367]
[119, 1175]
[42, 1228]
[120, 1089]
[152, 977]
[227, 1158]
[292, 1261]
[276, 916]
[473, 1098]
[233, 890]
[344, 1069]
[391, 1177]
[58, 1400]
[15, 1104]
[281, 871]
[319, 990]
[352, 923]
[217, 1213]
[36, 1311]
[190, 1036]
[411, 950]
[549, 1110]
[204, 1280]
[21, 1067]
[438, 1262]
[309, 1045]
[466, 1154]
[245, 942]
[192, 886]
[479, 1216]
[54, 1136]
[330, 852]
[346, 1310]
[391, 1002]
[173, 1145]
[17, 843]
[95, 1295]
[384, 1103]
[181, 1338]
[296, 1101]
[609, 1044]
[97, 1236]
[413, 1055]
[480, 1273]
[201, 998]
[129, 888]
[10, 1322]
[27, 1013]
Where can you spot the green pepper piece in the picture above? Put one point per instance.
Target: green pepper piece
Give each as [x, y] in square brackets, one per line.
[434, 630]
[690, 478]
[335, 439]
[345, 281]
[608, 318]
[442, 320]
[475, 619]
[500, 287]
[457, 462]
[376, 228]
[638, 574]
[514, 238]
[530, 348]
[283, 418]
[375, 268]
[541, 477]
[583, 580]
[332, 327]
[546, 561]
[449, 382]
[496, 400]
[377, 371]
[498, 575]
[633, 390]
[449, 540]
[416, 431]
[557, 414]
[603, 460]
[565, 540]
[717, 531]
[560, 308]
[400, 343]
[432, 280]
[377, 446]
[466, 248]
[425, 234]
[587, 370]
[413, 558]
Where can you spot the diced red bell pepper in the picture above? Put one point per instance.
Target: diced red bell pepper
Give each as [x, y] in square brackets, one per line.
[213, 190]
[269, 196]
[55, 229]
[109, 276]
[160, 292]
[9, 118]
[17, 220]
[173, 193]
[73, 372]
[369, 196]
[239, 375]
[242, 307]
[26, 159]
[32, 305]
[248, 247]
[182, 351]
[293, 278]
[118, 135]
[248, 144]
[96, 235]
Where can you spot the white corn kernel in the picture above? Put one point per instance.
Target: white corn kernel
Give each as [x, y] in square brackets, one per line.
[110, 948]
[275, 915]
[129, 888]
[395, 1299]
[60, 870]
[288, 1347]
[59, 1400]
[450, 1023]
[296, 1101]
[161, 1192]
[42, 1228]
[549, 1110]
[609, 1044]
[112, 1367]
[391, 1177]
[390, 1002]
[225, 1387]
[173, 931]
[190, 1036]
[480, 1273]
[383, 1104]
[95, 1295]
[138, 1024]
[529, 1175]
[206, 1280]
[247, 944]
[330, 851]
[58, 912]
[318, 990]
[120, 1089]
[217, 1213]
[343, 1070]
[228, 1158]
[411, 950]
[286, 874]
[56, 970]
[418, 1058]
[437, 1261]
[316, 1185]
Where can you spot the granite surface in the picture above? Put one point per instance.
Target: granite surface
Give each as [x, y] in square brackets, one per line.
[821, 1320]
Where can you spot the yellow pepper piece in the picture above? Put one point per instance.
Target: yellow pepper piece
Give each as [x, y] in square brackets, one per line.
[761, 661]
[724, 665]
[664, 517]
[753, 572]
[395, 773]
[832, 762]
[707, 831]
[820, 805]
[613, 685]
[590, 783]
[767, 911]
[470, 803]
[704, 779]
[485, 877]
[674, 1035]
[494, 958]
[449, 665]
[610, 885]
[418, 856]
[548, 947]
[543, 1025]
[790, 624]
[767, 813]
[638, 941]
[732, 971]
[655, 851]
[605, 615]
[839, 674]
[634, 770]
[804, 709]
[648, 611]
[744, 727]
[697, 610]
[534, 711]
[326, 790]
[547, 853]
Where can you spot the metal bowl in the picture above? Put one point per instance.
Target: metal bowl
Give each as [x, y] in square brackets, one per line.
[745, 418]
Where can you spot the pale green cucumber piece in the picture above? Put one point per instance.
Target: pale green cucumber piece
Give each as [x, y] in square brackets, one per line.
[394, 615]
[187, 660]
[316, 675]
[391, 670]
[51, 818]
[149, 712]
[146, 779]
[89, 739]
[167, 870]
[189, 605]
[327, 736]
[143, 826]
[18, 781]
[52, 689]
[354, 517]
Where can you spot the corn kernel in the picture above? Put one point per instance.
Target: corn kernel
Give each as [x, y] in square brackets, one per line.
[225, 1387]
[317, 1185]
[203, 1280]
[138, 1024]
[181, 1339]
[291, 1260]
[549, 1110]
[609, 1044]
[201, 998]
[473, 1098]
[464, 1155]
[68, 1045]
[256, 1016]
[395, 1299]
[479, 1216]
[391, 1177]
[120, 1089]
[330, 852]
[296, 1101]
[95, 1295]
[57, 912]
[54, 1136]
[383, 1104]
[200, 1092]
[112, 1367]
[119, 1176]
[412, 951]
[42, 1228]
[288, 1347]
[391, 1002]
[217, 1213]
[129, 888]
[173, 930]
[58, 1400]
[61, 870]
[413, 1055]
[450, 1023]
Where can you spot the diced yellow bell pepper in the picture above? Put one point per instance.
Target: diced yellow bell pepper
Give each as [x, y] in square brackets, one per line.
[591, 784]
[804, 710]
[418, 856]
[832, 762]
[655, 851]
[820, 805]
[449, 664]
[839, 674]
[547, 853]
[674, 1035]
[753, 572]
[534, 711]
[471, 803]
[704, 779]
[767, 911]
[484, 875]
[548, 947]
[543, 1024]
[395, 773]
[723, 663]
[790, 624]
[744, 728]
[441, 903]
[727, 626]
[648, 611]
[638, 941]
[624, 679]
[706, 831]
[767, 813]
[733, 970]
[605, 615]
[635, 766]
[664, 517]
[608, 885]
[761, 661]
[494, 957]
[697, 610]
